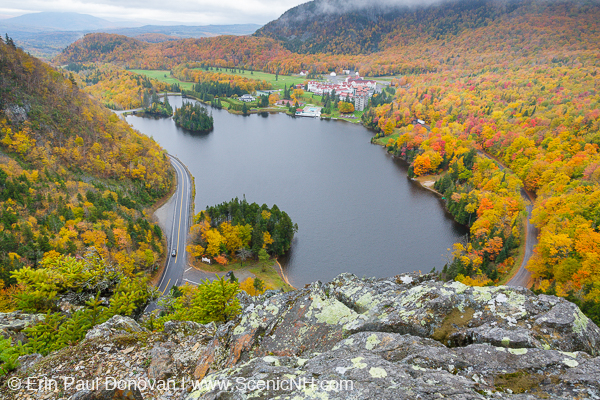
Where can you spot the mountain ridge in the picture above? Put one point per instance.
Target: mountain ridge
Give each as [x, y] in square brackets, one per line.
[46, 34]
[60, 21]
[333, 26]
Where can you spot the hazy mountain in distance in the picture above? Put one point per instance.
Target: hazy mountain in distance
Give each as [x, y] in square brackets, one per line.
[187, 31]
[60, 21]
[46, 34]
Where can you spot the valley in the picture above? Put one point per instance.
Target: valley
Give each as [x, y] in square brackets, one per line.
[460, 138]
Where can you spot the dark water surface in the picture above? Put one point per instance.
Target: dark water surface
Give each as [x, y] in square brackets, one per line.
[355, 208]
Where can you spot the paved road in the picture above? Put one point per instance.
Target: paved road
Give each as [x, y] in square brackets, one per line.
[523, 276]
[174, 219]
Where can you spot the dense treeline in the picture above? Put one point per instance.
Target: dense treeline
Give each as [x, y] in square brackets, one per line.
[193, 117]
[331, 27]
[208, 91]
[542, 122]
[192, 72]
[224, 230]
[154, 106]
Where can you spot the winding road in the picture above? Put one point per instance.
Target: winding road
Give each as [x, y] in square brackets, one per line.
[522, 277]
[177, 211]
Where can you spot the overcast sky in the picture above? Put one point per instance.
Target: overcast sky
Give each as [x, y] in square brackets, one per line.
[197, 12]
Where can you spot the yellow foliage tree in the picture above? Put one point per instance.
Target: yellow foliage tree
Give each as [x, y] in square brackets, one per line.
[267, 239]
[214, 239]
[195, 250]
[231, 236]
[273, 98]
[345, 107]
[254, 287]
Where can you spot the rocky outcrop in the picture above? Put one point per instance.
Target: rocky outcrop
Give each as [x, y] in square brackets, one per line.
[16, 114]
[407, 337]
[109, 394]
[13, 323]
[114, 326]
[150, 365]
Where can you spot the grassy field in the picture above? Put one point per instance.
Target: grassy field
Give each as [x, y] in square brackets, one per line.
[163, 76]
[385, 78]
[282, 81]
[311, 98]
[356, 120]
[265, 271]
[382, 141]
[270, 277]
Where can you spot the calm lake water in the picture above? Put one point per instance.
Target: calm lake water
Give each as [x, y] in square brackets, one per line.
[356, 210]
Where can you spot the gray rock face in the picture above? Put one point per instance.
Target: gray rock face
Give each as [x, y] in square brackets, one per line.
[28, 360]
[375, 365]
[161, 367]
[116, 325]
[12, 324]
[114, 394]
[406, 337]
[16, 113]
[185, 328]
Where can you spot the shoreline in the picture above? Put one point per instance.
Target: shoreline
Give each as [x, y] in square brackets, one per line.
[250, 269]
[275, 110]
[426, 182]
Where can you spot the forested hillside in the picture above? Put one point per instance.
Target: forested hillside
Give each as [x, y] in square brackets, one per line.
[468, 34]
[115, 87]
[512, 80]
[341, 27]
[72, 174]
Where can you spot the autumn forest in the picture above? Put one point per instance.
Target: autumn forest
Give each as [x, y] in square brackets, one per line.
[498, 103]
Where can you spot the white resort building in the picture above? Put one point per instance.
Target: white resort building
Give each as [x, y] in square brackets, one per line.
[247, 98]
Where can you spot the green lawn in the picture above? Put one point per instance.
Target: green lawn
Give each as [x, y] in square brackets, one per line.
[385, 78]
[263, 270]
[270, 276]
[282, 81]
[382, 141]
[163, 76]
[356, 120]
[311, 98]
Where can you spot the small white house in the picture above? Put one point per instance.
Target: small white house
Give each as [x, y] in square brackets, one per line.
[303, 73]
[333, 74]
[247, 98]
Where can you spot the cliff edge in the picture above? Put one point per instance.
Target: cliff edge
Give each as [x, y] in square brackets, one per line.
[406, 337]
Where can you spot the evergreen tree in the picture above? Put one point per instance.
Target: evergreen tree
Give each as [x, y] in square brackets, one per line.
[193, 117]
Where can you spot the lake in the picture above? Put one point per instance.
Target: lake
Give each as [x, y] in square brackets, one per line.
[355, 208]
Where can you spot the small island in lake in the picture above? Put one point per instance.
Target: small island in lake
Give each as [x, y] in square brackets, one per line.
[193, 117]
[157, 107]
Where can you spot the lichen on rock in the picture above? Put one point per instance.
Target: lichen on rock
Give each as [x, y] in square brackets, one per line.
[353, 338]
